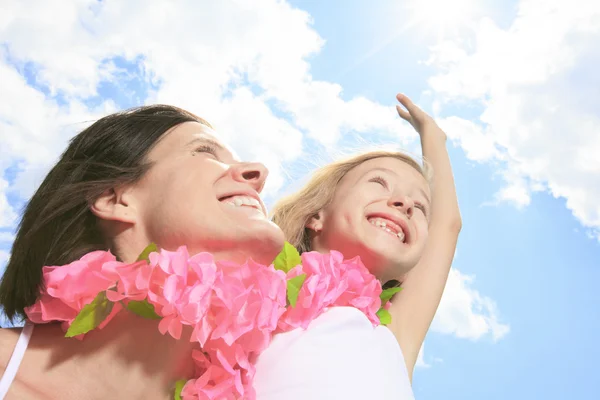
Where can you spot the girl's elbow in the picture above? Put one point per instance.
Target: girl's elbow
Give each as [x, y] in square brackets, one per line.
[456, 224]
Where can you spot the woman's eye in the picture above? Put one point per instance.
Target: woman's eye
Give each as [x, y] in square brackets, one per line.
[206, 149]
[380, 180]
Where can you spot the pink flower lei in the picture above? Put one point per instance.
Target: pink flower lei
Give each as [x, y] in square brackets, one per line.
[234, 309]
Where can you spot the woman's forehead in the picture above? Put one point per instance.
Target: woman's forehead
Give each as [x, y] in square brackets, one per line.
[189, 134]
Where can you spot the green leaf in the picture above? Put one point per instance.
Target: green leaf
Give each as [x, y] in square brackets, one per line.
[91, 315]
[384, 316]
[293, 288]
[143, 309]
[178, 387]
[151, 248]
[287, 259]
[387, 294]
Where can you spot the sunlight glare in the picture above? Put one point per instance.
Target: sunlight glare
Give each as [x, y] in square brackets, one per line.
[442, 16]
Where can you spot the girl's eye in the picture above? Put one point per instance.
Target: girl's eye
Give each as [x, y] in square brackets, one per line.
[422, 208]
[380, 180]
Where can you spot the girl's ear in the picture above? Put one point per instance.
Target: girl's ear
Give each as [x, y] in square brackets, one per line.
[315, 223]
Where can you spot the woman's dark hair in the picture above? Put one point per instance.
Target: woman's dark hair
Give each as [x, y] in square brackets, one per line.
[57, 226]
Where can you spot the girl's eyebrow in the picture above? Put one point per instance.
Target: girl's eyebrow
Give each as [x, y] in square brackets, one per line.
[380, 169]
[390, 171]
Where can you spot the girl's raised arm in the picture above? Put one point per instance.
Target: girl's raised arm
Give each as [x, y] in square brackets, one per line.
[414, 307]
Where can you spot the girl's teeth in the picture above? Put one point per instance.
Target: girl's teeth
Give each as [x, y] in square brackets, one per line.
[382, 224]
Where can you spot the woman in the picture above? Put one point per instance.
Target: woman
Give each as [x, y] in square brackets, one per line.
[382, 207]
[152, 174]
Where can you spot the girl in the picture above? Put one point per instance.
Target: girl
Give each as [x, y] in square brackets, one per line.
[153, 174]
[383, 207]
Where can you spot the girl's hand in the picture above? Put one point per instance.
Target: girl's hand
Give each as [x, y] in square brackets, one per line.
[423, 123]
[414, 307]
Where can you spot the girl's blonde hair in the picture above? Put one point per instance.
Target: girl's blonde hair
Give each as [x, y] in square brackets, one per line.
[293, 212]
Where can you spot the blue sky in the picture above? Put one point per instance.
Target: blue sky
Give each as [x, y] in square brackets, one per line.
[294, 83]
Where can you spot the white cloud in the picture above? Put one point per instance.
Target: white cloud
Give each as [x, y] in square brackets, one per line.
[421, 360]
[4, 256]
[538, 86]
[465, 313]
[33, 128]
[239, 66]
[244, 68]
[477, 144]
[7, 214]
[6, 237]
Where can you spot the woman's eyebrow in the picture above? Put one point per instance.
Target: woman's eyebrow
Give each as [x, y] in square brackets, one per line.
[206, 141]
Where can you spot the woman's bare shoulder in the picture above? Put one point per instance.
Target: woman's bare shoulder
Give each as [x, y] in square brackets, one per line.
[20, 388]
[8, 341]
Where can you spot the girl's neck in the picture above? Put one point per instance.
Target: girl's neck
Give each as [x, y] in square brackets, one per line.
[129, 358]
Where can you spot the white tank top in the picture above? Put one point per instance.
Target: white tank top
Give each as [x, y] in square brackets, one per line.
[339, 356]
[15, 359]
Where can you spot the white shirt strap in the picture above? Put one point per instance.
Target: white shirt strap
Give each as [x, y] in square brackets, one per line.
[15, 359]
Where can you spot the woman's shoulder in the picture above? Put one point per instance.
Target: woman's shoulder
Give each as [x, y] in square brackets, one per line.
[8, 341]
[340, 355]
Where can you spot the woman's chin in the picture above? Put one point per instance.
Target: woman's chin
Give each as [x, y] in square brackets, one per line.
[266, 244]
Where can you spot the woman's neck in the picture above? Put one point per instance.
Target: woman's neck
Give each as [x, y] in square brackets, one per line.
[129, 358]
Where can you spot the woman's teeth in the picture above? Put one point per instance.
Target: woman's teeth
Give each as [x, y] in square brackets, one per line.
[239, 201]
[381, 223]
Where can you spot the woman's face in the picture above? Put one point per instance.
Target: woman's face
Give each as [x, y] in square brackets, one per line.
[198, 194]
[379, 212]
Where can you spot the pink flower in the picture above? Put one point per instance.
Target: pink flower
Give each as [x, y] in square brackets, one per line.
[247, 301]
[251, 297]
[125, 275]
[167, 284]
[48, 308]
[70, 287]
[332, 281]
[234, 309]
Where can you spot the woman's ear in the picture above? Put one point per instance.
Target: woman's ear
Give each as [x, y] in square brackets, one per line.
[114, 205]
[315, 223]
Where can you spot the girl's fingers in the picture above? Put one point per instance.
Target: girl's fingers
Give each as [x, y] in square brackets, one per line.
[403, 113]
[406, 102]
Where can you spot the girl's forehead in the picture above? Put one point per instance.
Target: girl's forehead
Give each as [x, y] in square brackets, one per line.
[391, 167]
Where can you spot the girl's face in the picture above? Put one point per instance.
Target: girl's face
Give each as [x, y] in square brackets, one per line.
[379, 212]
[198, 194]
